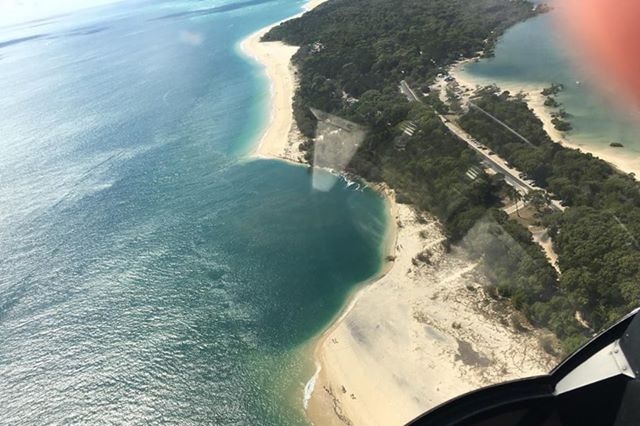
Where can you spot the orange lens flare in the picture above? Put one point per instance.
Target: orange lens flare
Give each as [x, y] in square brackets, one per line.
[607, 36]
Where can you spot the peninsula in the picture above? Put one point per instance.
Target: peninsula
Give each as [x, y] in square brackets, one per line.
[469, 297]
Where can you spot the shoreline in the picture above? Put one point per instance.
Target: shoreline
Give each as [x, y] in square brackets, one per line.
[420, 334]
[359, 384]
[280, 137]
[616, 157]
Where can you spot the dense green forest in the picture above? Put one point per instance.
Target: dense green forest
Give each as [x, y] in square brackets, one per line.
[595, 238]
[361, 49]
[353, 55]
[352, 46]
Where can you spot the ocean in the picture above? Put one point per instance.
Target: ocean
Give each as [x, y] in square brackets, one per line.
[151, 272]
[535, 53]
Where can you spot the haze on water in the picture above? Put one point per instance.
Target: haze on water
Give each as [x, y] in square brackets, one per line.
[149, 272]
[535, 54]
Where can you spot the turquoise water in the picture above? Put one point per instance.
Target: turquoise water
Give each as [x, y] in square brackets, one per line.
[535, 52]
[149, 272]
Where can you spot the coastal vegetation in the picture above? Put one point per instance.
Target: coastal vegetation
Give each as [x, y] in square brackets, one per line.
[559, 118]
[595, 238]
[562, 125]
[354, 54]
[553, 90]
[561, 113]
[413, 41]
[351, 47]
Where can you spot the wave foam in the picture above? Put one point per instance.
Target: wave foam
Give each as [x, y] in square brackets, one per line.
[310, 386]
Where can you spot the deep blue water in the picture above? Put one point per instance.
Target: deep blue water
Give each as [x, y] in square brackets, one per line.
[150, 273]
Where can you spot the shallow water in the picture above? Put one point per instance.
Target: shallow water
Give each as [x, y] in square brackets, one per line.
[149, 272]
[535, 53]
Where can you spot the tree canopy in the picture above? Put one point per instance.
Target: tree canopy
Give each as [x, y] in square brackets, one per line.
[353, 55]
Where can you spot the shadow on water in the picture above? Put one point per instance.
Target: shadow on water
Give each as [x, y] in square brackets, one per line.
[84, 31]
[22, 40]
[214, 10]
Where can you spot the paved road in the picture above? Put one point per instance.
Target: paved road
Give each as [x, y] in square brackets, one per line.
[497, 164]
[493, 161]
[514, 208]
[408, 92]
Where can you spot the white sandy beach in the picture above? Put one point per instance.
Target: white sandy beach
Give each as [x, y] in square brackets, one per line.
[617, 157]
[281, 137]
[418, 335]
